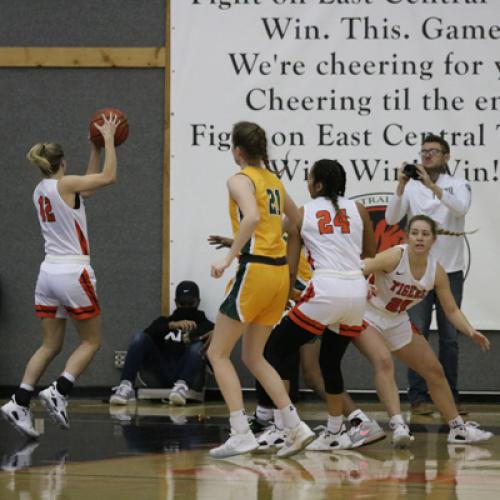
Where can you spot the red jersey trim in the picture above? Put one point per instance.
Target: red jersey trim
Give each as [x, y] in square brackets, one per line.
[300, 319]
[352, 331]
[45, 311]
[81, 238]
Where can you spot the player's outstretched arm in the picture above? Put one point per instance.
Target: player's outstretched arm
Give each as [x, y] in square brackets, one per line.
[452, 311]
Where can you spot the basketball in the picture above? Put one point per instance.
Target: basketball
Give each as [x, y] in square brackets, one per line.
[121, 132]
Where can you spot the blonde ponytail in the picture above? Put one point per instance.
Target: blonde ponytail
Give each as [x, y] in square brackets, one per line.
[47, 157]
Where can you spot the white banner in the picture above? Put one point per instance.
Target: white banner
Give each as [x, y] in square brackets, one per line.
[360, 81]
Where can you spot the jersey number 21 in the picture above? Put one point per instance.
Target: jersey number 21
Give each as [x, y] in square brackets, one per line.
[274, 200]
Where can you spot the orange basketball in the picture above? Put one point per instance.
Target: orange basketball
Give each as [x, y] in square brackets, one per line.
[121, 132]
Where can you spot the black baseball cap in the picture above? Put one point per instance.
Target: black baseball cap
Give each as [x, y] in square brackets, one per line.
[187, 292]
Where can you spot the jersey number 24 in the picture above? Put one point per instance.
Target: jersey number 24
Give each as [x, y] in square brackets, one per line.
[327, 226]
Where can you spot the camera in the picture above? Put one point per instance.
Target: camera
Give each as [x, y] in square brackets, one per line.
[411, 171]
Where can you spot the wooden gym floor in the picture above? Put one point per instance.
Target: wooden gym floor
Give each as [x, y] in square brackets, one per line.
[156, 451]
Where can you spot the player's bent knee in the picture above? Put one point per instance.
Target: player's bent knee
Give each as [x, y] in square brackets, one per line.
[93, 344]
[52, 350]
[253, 362]
[248, 361]
[215, 356]
[384, 365]
[434, 372]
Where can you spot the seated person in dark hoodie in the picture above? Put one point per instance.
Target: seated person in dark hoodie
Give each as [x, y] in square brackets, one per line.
[172, 348]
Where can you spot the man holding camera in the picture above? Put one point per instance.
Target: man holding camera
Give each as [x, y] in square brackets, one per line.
[430, 189]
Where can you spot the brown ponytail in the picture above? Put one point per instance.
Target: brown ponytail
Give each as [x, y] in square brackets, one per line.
[252, 140]
[435, 230]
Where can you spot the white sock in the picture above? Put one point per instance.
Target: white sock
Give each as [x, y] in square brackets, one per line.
[396, 420]
[68, 376]
[334, 423]
[126, 382]
[290, 416]
[263, 413]
[27, 387]
[359, 414]
[278, 420]
[239, 422]
[458, 421]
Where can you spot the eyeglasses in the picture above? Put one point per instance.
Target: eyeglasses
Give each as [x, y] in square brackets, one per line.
[430, 152]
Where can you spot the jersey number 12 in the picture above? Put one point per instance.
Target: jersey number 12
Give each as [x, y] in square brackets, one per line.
[46, 213]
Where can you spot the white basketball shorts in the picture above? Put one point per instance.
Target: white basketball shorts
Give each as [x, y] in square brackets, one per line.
[66, 287]
[332, 300]
[396, 330]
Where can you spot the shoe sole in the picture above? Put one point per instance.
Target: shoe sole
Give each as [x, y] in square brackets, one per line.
[53, 414]
[122, 402]
[303, 444]
[368, 440]
[177, 400]
[234, 454]
[18, 428]
[268, 448]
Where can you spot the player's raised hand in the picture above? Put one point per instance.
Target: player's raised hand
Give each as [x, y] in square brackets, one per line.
[108, 128]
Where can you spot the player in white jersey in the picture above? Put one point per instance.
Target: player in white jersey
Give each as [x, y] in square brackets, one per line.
[432, 191]
[336, 232]
[66, 283]
[403, 276]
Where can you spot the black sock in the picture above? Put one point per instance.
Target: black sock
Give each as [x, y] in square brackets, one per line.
[63, 385]
[23, 397]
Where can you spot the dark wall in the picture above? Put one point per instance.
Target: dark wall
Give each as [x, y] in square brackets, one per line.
[125, 226]
[82, 23]
[125, 220]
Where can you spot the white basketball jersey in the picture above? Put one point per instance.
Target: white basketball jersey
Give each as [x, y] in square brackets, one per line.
[399, 290]
[333, 239]
[63, 228]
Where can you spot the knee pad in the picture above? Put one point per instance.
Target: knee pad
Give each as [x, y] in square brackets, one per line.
[334, 382]
[333, 347]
